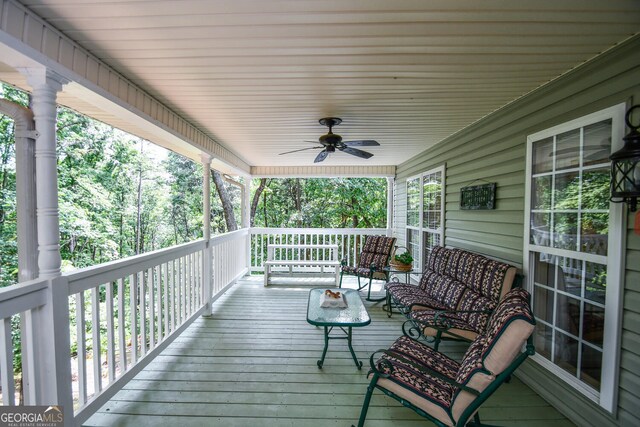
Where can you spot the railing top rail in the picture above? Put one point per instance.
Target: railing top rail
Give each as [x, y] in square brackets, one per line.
[22, 296]
[281, 246]
[113, 270]
[366, 231]
[220, 238]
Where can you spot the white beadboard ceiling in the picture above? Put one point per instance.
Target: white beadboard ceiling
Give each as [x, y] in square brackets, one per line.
[256, 75]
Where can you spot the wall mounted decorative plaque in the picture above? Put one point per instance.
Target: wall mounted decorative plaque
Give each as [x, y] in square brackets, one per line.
[478, 197]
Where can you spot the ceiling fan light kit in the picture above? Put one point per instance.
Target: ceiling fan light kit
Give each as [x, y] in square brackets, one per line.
[331, 141]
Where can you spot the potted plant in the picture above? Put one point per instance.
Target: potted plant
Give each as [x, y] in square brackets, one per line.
[402, 262]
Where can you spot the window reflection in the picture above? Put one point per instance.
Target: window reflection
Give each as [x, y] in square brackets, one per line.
[569, 198]
[597, 143]
[567, 152]
[565, 231]
[543, 155]
[591, 366]
[566, 352]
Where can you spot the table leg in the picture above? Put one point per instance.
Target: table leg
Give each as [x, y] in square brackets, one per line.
[388, 305]
[353, 354]
[326, 346]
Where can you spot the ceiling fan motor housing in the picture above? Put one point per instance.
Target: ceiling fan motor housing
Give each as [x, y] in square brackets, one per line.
[330, 139]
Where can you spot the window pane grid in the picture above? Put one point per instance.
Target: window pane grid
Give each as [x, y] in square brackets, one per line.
[585, 343]
[584, 168]
[569, 215]
[425, 214]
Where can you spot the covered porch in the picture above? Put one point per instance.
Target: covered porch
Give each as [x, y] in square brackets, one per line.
[254, 362]
[515, 96]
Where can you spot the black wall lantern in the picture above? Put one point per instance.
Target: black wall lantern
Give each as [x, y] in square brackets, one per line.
[625, 167]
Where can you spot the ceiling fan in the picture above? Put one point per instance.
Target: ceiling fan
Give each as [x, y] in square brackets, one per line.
[332, 142]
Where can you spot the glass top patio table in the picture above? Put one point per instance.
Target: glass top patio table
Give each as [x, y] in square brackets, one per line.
[352, 316]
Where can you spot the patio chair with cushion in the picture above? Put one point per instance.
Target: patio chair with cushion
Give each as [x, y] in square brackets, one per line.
[375, 256]
[447, 392]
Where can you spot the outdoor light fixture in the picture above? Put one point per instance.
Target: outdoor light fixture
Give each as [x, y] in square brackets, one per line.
[625, 167]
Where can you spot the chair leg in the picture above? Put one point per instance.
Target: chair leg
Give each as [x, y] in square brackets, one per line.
[341, 273]
[436, 342]
[369, 291]
[367, 400]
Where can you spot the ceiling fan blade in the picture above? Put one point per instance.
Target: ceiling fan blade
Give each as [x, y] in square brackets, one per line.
[598, 155]
[361, 143]
[302, 149]
[321, 156]
[356, 152]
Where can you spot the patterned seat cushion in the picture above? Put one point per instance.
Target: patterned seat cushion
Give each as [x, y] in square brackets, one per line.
[356, 271]
[455, 324]
[475, 309]
[409, 382]
[445, 290]
[497, 280]
[438, 259]
[410, 297]
[489, 278]
[490, 354]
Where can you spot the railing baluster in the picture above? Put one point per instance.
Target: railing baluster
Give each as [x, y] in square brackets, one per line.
[133, 307]
[122, 342]
[200, 271]
[143, 314]
[158, 271]
[82, 348]
[6, 366]
[190, 283]
[111, 351]
[173, 295]
[95, 332]
[152, 310]
[179, 276]
[165, 283]
[183, 283]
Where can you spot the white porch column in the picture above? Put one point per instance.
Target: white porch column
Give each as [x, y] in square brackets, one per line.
[246, 203]
[46, 85]
[246, 219]
[206, 209]
[390, 198]
[46, 330]
[25, 136]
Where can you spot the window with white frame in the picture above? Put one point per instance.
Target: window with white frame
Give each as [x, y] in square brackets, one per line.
[425, 214]
[573, 251]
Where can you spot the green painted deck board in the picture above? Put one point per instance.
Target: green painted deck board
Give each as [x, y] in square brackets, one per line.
[254, 362]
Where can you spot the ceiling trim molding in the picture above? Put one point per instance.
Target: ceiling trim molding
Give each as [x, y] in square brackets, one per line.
[323, 171]
[36, 42]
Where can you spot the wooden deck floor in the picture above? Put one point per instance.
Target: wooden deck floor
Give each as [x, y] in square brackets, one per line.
[254, 364]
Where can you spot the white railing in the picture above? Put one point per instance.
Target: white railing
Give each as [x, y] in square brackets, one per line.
[123, 311]
[85, 334]
[17, 305]
[88, 332]
[228, 258]
[349, 241]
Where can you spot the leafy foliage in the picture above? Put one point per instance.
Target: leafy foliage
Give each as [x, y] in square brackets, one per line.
[322, 203]
[404, 258]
